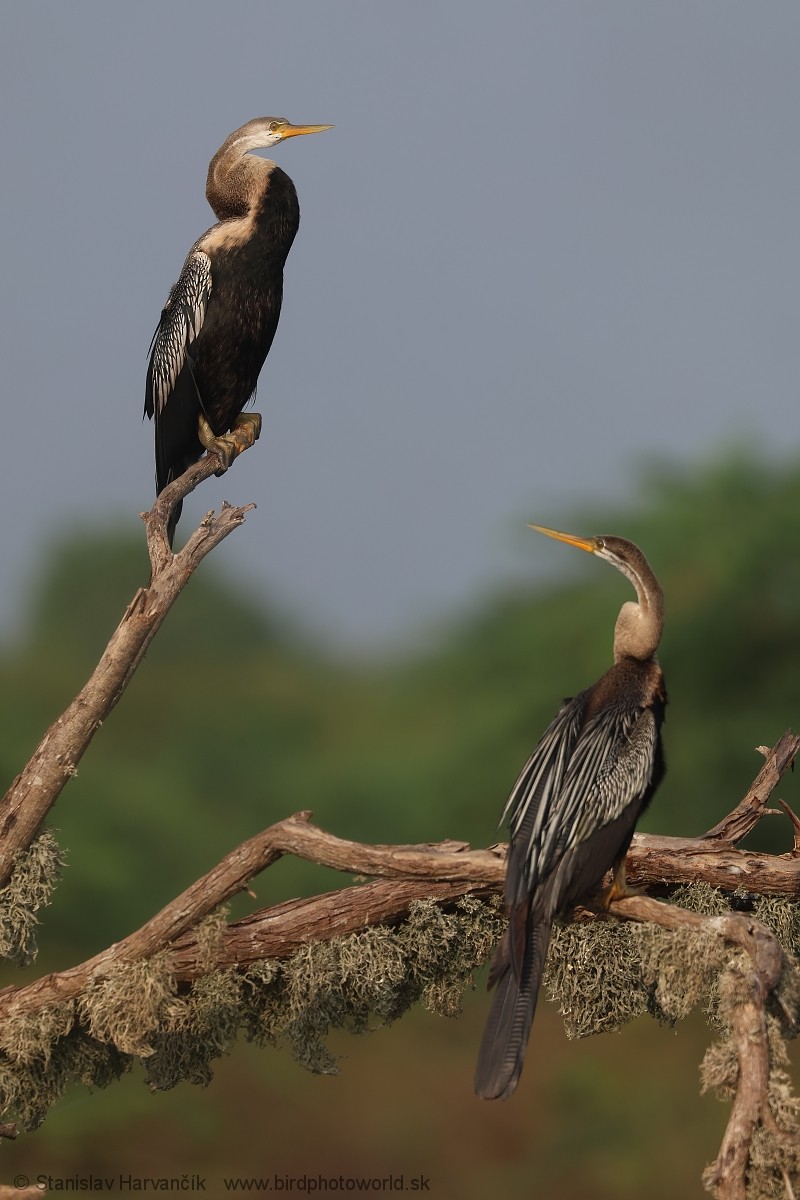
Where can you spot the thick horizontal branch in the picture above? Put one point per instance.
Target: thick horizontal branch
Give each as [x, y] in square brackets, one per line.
[655, 861]
[279, 931]
[55, 760]
[442, 872]
[738, 929]
[296, 836]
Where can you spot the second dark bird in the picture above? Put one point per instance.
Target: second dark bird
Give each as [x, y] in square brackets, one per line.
[574, 808]
[220, 317]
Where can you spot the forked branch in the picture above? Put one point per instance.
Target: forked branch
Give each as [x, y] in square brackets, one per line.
[401, 874]
[443, 872]
[749, 811]
[55, 760]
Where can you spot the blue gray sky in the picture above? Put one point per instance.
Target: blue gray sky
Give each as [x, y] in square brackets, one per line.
[544, 241]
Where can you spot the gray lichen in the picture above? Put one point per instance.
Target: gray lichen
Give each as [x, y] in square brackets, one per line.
[600, 973]
[33, 879]
[135, 1012]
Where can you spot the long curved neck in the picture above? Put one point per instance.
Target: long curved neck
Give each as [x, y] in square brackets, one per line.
[640, 623]
[237, 180]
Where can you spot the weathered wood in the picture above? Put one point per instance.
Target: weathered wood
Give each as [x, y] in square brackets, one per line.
[279, 931]
[654, 860]
[405, 874]
[400, 874]
[55, 760]
[749, 811]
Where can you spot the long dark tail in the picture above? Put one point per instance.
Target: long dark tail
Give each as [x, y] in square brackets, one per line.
[172, 474]
[172, 523]
[505, 1036]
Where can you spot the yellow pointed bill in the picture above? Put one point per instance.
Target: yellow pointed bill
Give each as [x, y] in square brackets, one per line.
[582, 543]
[295, 130]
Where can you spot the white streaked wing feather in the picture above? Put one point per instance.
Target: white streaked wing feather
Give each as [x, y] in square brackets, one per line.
[624, 775]
[544, 770]
[571, 785]
[181, 322]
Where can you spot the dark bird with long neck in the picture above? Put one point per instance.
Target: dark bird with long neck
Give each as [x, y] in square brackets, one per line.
[220, 318]
[574, 808]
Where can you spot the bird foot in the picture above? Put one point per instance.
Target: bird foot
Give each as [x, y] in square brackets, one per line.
[618, 889]
[247, 427]
[243, 435]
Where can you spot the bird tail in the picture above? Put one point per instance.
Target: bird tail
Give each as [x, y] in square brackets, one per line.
[172, 522]
[163, 479]
[505, 1036]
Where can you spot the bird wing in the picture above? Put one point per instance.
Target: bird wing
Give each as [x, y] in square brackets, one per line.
[543, 773]
[572, 785]
[181, 322]
[622, 773]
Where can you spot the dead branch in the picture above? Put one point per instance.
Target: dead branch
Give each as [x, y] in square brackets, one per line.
[279, 931]
[426, 864]
[793, 817]
[405, 873]
[751, 808]
[652, 861]
[444, 873]
[401, 875]
[727, 1176]
[55, 760]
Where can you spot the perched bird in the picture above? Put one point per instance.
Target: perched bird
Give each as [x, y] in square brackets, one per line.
[220, 318]
[573, 810]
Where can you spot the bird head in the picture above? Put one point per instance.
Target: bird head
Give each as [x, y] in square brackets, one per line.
[263, 132]
[616, 550]
[639, 625]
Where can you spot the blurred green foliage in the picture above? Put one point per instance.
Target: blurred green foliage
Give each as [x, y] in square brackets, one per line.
[236, 719]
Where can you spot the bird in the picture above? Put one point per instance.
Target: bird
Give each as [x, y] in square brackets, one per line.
[219, 320]
[573, 809]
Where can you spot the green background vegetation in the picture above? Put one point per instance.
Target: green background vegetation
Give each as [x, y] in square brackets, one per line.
[236, 719]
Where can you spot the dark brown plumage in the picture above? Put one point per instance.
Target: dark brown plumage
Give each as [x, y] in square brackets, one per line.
[218, 323]
[574, 808]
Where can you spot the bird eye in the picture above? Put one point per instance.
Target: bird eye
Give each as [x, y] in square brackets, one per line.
[273, 126]
[601, 543]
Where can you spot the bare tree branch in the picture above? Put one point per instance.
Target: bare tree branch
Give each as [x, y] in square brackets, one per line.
[738, 823]
[727, 1177]
[279, 931]
[421, 872]
[793, 817]
[297, 836]
[34, 792]
[443, 872]
[655, 860]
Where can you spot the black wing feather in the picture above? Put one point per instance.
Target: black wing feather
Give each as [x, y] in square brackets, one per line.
[574, 785]
[171, 394]
[571, 813]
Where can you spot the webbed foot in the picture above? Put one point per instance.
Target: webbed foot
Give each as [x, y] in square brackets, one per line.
[618, 888]
[244, 434]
